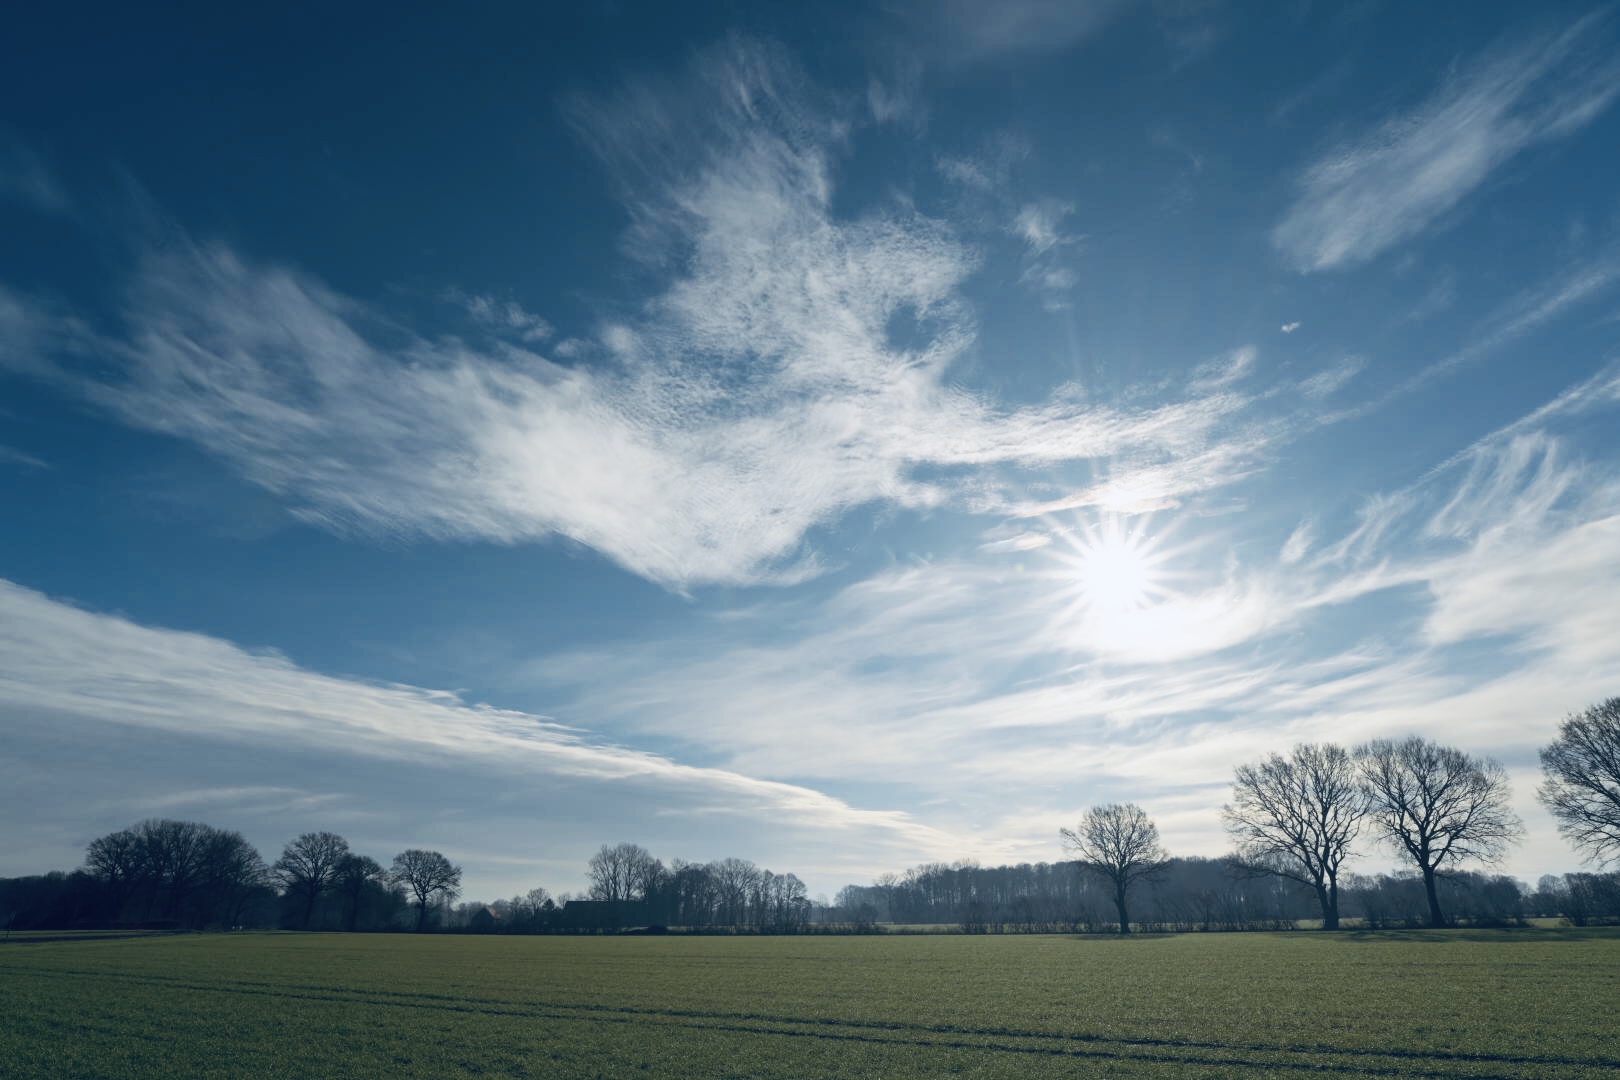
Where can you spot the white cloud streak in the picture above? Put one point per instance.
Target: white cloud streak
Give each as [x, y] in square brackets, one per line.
[506, 316]
[982, 682]
[962, 31]
[13, 456]
[26, 178]
[1325, 383]
[756, 397]
[1040, 224]
[85, 669]
[1362, 198]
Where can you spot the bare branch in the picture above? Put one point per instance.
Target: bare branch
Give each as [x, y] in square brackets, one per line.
[1438, 806]
[1119, 842]
[1582, 785]
[1295, 818]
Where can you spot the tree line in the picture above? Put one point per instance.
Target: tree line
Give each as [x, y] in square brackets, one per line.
[1193, 893]
[163, 874]
[1295, 819]
[726, 892]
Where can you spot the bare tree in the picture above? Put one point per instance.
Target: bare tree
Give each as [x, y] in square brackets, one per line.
[885, 884]
[177, 870]
[527, 909]
[1582, 786]
[734, 880]
[308, 868]
[1118, 841]
[623, 872]
[429, 876]
[354, 874]
[118, 861]
[1295, 818]
[233, 872]
[1437, 806]
[173, 856]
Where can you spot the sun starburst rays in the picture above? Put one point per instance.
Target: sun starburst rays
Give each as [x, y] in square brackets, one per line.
[1115, 585]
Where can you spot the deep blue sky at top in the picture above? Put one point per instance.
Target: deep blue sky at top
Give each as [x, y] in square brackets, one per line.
[1115, 185]
[395, 152]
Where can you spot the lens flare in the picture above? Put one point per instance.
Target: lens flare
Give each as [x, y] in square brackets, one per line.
[1112, 570]
[1114, 590]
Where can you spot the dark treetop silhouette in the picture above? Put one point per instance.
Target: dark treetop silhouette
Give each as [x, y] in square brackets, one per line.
[1296, 816]
[1582, 788]
[1121, 843]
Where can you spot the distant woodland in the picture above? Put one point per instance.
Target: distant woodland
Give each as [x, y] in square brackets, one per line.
[1294, 820]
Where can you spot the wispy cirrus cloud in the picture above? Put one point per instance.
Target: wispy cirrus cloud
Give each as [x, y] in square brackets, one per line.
[1040, 224]
[758, 394]
[1141, 487]
[34, 331]
[963, 32]
[218, 706]
[1330, 381]
[1363, 197]
[26, 178]
[1471, 606]
[13, 456]
[1528, 311]
[503, 316]
[1191, 28]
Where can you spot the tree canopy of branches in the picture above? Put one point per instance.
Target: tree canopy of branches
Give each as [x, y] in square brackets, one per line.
[1438, 806]
[1119, 842]
[1582, 785]
[118, 861]
[308, 867]
[623, 872]
[429, 876]
[1296, 816]
[176, 871]
[355, 874]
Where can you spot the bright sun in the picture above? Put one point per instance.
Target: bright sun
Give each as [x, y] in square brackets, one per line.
[1115, 576]
[1111, 573]
[1116, 594]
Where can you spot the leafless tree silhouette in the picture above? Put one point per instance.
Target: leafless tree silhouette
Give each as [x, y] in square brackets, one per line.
[1437, 806]
[1582, 786]
[1295, 817]
[1119, 842]
[308, 868]
[429, 876]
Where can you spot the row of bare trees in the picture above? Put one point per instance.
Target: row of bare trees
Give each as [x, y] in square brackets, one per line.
[725, 892]
[630, 888]
[185, 873]
[318, 864]
[1197, 894]
[1298, 816]
[180, 872]
[1295, 819]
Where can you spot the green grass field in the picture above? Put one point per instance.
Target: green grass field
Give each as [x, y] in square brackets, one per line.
[1535, 1003]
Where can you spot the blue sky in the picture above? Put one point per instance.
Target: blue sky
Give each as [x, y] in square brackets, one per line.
[843, 439]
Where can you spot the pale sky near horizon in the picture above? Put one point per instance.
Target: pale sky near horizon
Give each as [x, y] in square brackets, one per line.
[844, 438]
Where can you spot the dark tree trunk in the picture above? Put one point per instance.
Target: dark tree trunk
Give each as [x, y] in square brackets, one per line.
[1119, 902]
[421, 916]
[1436, 918]
[1327, 895]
